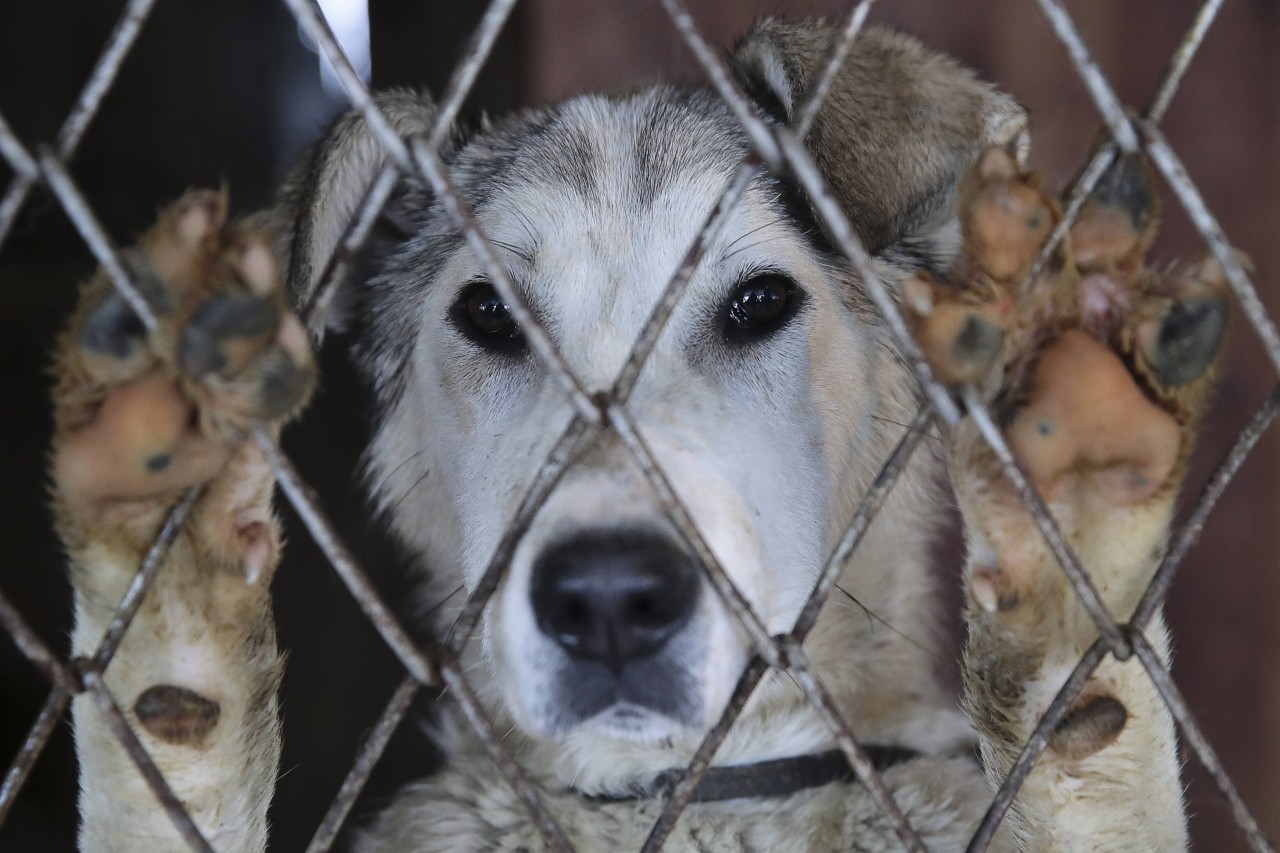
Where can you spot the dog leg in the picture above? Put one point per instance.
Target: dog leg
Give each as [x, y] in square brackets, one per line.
[1097, 374]
[141, 416]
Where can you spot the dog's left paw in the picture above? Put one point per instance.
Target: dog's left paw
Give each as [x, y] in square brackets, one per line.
[1097, 372]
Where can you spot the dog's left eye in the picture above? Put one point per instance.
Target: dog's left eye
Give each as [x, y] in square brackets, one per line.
[483, 315]
[760, 305]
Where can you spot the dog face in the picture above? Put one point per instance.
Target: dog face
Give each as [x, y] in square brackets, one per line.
[756, 400]
[604, 620]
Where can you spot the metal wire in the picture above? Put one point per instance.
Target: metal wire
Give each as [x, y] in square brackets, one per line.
[119, 43]
[307, 505]
[366, 759]
[1106, 153]
[597, 414]
[46, 721]
[1191, 732]
[831, 65]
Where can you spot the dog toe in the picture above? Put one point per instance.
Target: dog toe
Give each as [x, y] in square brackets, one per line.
[224, 333]
[1118, 221]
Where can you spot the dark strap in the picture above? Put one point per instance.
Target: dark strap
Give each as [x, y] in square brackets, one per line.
[777, 778]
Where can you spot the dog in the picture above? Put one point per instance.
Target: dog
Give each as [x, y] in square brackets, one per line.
[770, 399]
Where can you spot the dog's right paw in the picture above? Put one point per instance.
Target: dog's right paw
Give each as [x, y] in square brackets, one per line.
[141, 413]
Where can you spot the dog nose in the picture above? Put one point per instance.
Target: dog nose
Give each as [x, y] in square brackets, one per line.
[613, 597]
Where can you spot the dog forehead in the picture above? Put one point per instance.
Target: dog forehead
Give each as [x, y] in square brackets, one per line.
[602, 197]
[632, 146]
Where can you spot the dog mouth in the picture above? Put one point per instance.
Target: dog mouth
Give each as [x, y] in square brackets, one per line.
[627, 721]
[657, 692]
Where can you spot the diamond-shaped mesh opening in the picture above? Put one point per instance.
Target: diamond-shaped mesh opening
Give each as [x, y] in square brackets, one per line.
[598, 414]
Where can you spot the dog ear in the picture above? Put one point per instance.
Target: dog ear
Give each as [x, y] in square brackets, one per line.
[896, 132]
[319, 197]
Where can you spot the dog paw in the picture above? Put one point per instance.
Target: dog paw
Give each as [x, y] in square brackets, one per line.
[1096, 369]
[145, 412]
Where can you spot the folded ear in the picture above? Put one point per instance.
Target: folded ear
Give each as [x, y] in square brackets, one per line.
[319, 197]
[897, 130]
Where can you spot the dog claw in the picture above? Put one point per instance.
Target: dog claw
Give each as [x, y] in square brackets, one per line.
[992, 590]
[255, 265]
[198, 216]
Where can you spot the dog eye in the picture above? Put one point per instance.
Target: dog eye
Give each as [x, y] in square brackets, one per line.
[760, 305]
[483, 315]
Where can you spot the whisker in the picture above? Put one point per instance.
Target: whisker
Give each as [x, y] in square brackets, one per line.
[515, 250]
[744, 236]
[527, 225]
[394, 471]
[441, 603]
[412, 486]
[872, 615]
[750, 246]
[932, 435]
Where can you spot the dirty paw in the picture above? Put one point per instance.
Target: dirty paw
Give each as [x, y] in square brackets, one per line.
[144, 411]
[1096, 365]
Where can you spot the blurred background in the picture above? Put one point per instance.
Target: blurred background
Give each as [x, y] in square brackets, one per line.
[228, 92]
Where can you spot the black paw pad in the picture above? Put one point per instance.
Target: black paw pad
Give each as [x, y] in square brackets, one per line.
[112, 329]
[1187, 340]
[217, 321]
[176, 715]
[977, 344]
[283, 385]
[1089, 727]
[1125, 186]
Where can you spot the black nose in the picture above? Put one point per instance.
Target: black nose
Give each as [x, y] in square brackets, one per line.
[613, 597]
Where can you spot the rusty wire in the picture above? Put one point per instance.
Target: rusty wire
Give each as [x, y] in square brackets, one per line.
[596, 413]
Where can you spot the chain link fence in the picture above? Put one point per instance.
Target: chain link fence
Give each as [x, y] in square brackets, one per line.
[596, 414]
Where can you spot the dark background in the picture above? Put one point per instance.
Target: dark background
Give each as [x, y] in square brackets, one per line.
[226, 92]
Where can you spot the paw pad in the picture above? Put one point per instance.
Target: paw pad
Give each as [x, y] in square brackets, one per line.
[1084, 415]
[224, 333]
[177, 715]
[1100, 361]
[1089, 727]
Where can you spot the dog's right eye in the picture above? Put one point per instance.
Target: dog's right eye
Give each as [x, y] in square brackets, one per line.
[759, 306]
[483, 316]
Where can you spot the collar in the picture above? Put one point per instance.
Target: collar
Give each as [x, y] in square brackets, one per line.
[777, 778]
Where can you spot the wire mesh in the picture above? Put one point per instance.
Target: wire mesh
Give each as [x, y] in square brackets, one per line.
[598, 414]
